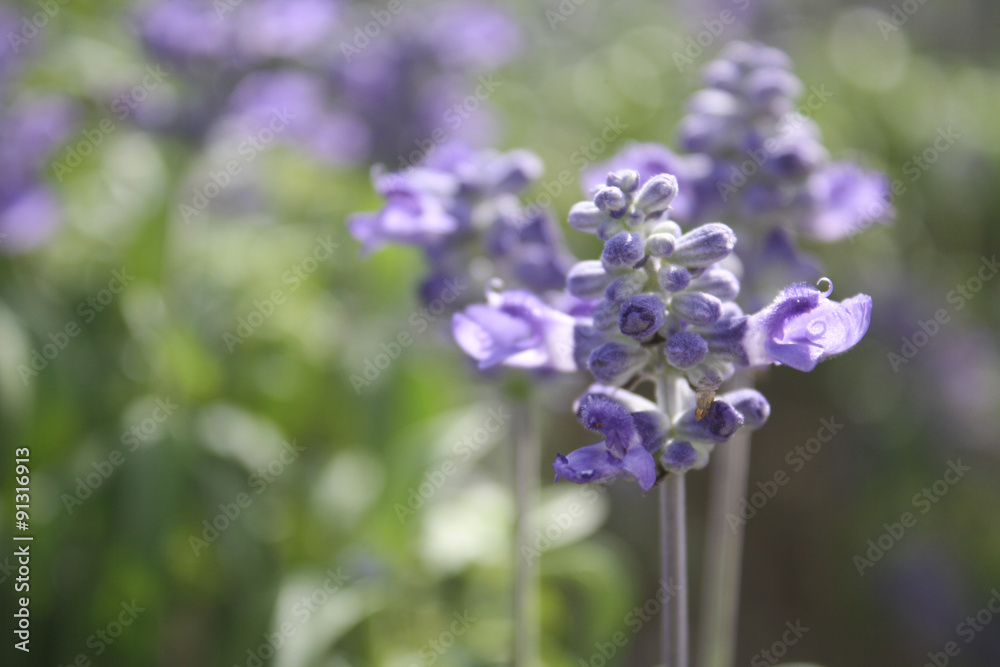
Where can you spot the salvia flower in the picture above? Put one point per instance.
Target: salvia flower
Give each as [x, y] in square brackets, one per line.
[516, 328]
[802, 327]
[461, 207]
[633, 431]
[668, 313]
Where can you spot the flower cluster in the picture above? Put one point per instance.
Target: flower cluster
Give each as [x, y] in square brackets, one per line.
[750, 153]
[666, 311]
[30, 129]
[462, 208]
[356, 88]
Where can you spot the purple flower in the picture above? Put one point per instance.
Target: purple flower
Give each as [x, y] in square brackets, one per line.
[29, 211]
[802, 327]
[415, 212]
[284, 28]
[846, 200]
[298, 100]
[631, 439]
[516, 328]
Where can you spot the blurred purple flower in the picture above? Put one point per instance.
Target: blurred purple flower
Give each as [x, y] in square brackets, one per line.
[29, 211]
[845, 200]
[516, 328]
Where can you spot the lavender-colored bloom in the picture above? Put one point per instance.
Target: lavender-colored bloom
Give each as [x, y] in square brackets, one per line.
[802, 327]
[845, 200]
[300, 102]
[182, 31]
[516, 328]
[284, 28]
[29, 211]
[628, 448]
[416, 210]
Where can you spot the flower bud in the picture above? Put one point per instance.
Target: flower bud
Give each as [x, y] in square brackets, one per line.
[679, 456]
[717, 282]
[627, 285]
[751, 404]
[623, 250]
[666, 227]
[704, 245]
[606, 315]
[612, 200]
[661, 245]
[673, 278]
[585, 217]
[696, 308]
[625, 180]
[585, 339]
[615, 362]
[685, 350]
[587, 280]
[718, 425]
[642, 315]
[656, 194]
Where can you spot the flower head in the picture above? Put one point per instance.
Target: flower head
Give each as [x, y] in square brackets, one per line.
[516, 328]
[802, 327]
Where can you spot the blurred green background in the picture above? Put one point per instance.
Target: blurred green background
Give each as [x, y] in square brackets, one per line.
[150, 423]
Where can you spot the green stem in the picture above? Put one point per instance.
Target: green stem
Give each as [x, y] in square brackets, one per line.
[724, 552]
[673, 550]
[526, 584]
